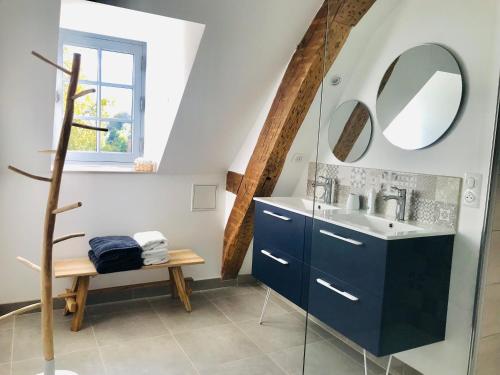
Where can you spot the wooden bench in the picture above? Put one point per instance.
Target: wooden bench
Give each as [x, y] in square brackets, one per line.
[81, 269]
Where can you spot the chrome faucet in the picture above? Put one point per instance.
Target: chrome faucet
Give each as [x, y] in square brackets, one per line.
[327, 184]
[400, 198]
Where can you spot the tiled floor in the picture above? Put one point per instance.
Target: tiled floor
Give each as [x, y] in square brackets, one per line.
[156, 336]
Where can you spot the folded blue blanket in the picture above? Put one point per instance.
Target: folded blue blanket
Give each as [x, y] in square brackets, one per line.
[114, 247]
[123, 263]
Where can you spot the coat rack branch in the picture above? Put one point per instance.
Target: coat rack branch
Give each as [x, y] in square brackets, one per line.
[83, 93]
[67, 208]
[20, 311]
[29, 264]
[68, 237]
[46, 60]
[77, 125]
[26, 174]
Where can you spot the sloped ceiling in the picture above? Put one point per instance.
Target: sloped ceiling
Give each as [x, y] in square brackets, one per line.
[246, 45]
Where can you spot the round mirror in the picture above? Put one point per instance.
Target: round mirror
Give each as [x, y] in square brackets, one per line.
[350, 131]
[419, 97]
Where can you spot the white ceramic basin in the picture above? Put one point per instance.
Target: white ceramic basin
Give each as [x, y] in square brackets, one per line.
[300, 205]
[373, 225]
[369, 223]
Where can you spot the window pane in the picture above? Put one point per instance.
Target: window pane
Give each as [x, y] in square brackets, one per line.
[116, 103]
[118, 138]
[117, 67]
[85, 105]
[88, 68]
[83, 139]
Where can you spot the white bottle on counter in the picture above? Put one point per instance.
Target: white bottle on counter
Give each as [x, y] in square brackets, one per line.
[372, 198]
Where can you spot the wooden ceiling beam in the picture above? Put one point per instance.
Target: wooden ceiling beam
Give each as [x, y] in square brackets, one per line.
[300, 84]
[233, 182]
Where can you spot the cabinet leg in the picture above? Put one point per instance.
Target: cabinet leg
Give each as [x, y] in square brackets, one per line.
[268, 294]
[365, 362]
[387, 372]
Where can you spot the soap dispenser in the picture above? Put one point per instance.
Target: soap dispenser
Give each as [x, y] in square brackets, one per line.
[372, 198]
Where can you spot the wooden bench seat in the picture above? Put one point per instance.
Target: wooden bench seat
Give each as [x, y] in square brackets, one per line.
[81, 269]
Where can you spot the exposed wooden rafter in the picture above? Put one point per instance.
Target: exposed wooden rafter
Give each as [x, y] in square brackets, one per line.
[233, 182]
[295, 95]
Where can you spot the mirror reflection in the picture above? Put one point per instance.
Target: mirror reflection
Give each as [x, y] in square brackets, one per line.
[350, 131]
[419, 97]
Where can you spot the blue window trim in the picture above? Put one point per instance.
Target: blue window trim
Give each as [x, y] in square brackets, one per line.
[107, 43]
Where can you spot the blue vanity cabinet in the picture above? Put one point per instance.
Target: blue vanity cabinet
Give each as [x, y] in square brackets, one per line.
[279, 229]
[351, 256]
[278, 250]
[385, 295]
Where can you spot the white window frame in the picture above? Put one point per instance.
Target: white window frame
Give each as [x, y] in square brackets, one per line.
[107, 43]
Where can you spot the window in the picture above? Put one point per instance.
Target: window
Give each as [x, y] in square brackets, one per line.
[115, 68]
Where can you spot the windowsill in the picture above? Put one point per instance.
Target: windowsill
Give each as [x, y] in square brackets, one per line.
[102, 168]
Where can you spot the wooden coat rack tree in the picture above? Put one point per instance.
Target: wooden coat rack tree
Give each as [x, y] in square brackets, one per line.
[52, 210]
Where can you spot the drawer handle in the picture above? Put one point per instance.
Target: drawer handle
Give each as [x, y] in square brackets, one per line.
[350, 240]
[343, 294]
[281, 217]
[268, 254]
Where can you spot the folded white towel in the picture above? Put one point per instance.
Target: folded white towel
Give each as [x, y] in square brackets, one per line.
[156, 252]
[150, 240]
[156, 260]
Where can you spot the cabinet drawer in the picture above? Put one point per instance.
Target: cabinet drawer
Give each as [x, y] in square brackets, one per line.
[278, 270]
[350, 256]
[278, 229]
[353, 313]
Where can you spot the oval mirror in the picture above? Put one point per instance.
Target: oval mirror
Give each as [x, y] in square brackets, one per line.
[350, 131]
[419, 97]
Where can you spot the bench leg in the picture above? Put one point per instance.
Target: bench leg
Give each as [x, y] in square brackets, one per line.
[181, 287]
[173, 289]
[82, 289]
[74, 285]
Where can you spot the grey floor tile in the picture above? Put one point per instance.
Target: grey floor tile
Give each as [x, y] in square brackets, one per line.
[261, 365]
[85, 362]
[216, 345]
[246, 307]
[5, 345]
[155, 356]
[232, 291]
[122, 324]
[278, 332]
[321, 358]
[118, 307]
[5, 369]
[27, 337]
[174, 316]
[7, 324]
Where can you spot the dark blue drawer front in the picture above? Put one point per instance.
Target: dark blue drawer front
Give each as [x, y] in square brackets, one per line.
[360, 264]
[281, 230]
[286, 279]
[359, 320]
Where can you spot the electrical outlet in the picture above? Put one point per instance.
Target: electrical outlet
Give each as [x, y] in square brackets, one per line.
[298, 158]
[472, 189]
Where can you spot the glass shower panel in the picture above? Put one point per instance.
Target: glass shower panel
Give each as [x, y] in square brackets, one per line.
[377, 301]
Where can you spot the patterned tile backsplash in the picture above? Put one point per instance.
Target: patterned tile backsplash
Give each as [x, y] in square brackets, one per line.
[430, 199]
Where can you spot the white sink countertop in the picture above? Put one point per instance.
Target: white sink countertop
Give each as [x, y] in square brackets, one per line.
[372, 225]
